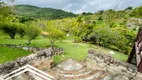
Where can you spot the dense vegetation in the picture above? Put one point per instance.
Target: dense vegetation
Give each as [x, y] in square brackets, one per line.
[108, 28]
[32, 12]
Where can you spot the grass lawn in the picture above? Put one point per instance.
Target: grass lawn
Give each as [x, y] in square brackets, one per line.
[78, 53]
[8, 54]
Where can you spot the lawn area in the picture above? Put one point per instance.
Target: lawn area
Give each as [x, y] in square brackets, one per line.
[77, 53]
[8, 54]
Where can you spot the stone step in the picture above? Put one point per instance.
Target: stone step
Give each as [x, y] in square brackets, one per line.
[56, 70]
[79, 76]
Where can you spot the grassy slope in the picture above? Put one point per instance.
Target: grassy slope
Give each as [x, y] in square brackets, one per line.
[79, 53]
[8, 54]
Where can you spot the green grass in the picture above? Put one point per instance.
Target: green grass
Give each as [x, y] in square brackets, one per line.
[77, 53]
[8, 54]
[117, 55]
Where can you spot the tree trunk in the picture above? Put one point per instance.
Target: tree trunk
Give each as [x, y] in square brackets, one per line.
[12, 36]
[29, 42]
[21, 36]
[52, 47]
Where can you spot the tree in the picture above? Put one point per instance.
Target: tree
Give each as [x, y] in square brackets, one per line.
[101, 11]
[129, 8]
[77, 29]
[107, 37]
[12, 28]
[9, 28]
[76, 40]
[84, 13]
[108, 16]
[4, 8]
[61, 36]
[21, 29]
[6, 14]
[137, 12]
[8, 21]
[32, 31]
[54, 32]
[67, 25]
[121, 14]
[3, 2]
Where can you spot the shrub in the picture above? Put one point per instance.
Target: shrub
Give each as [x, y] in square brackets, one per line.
[77, 39]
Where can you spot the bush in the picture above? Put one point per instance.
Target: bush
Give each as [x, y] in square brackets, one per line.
[77, 39]
[108, 37]
[113, 47]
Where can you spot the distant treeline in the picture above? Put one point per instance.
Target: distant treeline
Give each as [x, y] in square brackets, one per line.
[26, 11]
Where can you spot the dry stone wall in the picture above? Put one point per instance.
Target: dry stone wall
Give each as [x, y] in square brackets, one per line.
[27, 48]
[110, 60]
[39, 53]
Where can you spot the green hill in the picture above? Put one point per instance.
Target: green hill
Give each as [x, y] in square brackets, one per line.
[38, 12]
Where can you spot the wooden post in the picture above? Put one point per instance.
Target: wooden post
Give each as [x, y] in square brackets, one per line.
[140, 66]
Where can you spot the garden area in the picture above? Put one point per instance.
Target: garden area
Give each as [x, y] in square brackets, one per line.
[77, 53]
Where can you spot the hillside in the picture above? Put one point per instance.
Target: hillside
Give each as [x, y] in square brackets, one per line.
[37, 12]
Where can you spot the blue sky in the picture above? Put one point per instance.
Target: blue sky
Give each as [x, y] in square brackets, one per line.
[79, 6]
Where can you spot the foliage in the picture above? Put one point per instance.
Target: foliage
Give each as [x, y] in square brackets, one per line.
[6, 11]
[21, 29]
[68, 24]
[12, 28]
[108, 16]
[129, 8]
[54, 32]
[105, 36]
[137, 12]
[32, 31]
[61, 36]
[77, 39]
[41, 13]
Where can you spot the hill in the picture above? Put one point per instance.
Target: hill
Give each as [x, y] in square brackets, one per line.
[38, 12]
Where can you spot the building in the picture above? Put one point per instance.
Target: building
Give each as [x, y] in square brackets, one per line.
[136, 53]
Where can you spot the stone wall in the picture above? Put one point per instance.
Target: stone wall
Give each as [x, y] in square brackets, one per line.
[27, 48]
[110, 60]
[40, 53]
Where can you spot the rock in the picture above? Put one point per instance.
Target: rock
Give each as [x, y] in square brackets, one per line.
[135, 78]
[91, 51]
[23, 77]
[139, 75]
[1, 77]
[120, 77]
[113, 70]
[109, 77]
[25, 48]
[70, 64]
[111, 52]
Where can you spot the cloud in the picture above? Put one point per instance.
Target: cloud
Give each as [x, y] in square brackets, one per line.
[79, 6]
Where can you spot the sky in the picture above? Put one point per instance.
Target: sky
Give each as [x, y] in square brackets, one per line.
[79, 6]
